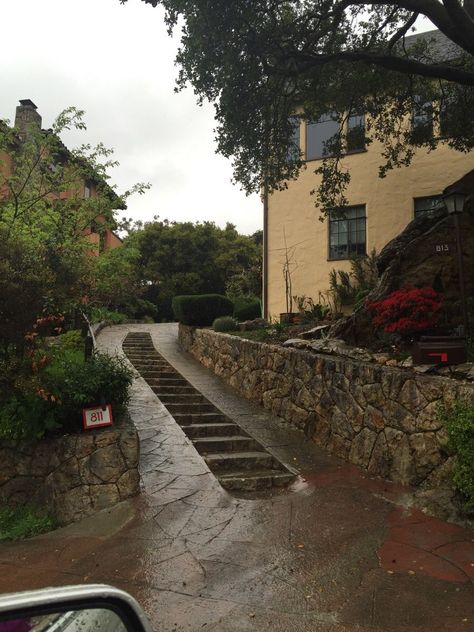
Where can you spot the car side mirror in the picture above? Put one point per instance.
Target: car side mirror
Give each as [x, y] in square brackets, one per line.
[84, 608]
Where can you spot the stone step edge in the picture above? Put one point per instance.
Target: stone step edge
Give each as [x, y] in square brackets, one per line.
[246, 455]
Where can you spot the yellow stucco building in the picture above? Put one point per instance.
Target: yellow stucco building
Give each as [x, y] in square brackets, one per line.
[378, 210]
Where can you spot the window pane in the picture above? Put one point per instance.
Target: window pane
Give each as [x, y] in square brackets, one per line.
[427, 204]
[347, 233]
[294, 146]
[355, 132]
[422, 119]
[320, 136]
[447, 116]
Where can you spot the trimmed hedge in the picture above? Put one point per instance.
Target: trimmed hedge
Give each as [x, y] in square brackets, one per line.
[225, 323]
[201, 309]
[247, 309]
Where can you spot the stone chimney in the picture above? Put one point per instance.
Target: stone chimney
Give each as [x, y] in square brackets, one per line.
[26, 117]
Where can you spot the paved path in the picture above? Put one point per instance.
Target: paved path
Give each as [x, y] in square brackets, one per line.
[337, 552]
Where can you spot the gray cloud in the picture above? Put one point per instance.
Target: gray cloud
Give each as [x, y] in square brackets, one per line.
[117, 63]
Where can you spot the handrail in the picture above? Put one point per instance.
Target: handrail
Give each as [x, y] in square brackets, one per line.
[90, 342]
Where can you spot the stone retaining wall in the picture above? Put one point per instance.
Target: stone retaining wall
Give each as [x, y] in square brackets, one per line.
[382, 419]
[72, 476]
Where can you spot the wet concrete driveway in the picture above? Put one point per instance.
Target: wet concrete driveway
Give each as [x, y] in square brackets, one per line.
[336, 552]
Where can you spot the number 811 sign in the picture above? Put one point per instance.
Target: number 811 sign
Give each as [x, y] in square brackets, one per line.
[97, 417]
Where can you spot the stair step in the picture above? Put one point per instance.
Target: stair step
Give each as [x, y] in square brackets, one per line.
[192, 409]
[166, 381]
[181, 398]
[164, 374]
[185, 419]
[144, 353]
[212, 430]
[155, 361]
[250, 481]
[251, 460]
[238, 461]
[221, 444]
[173, 390]
[150, 362]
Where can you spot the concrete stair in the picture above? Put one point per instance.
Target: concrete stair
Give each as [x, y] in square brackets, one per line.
[239, 461]
[223, 444]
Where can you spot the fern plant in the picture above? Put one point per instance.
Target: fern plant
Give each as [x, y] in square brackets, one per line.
[351, 288]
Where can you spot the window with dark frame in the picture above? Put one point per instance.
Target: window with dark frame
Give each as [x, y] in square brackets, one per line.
[347, 233]
[422, 119]
[87, 189]
[447, 116]
[294, 146]
[428, 204]
[355, 137]
[321, 135]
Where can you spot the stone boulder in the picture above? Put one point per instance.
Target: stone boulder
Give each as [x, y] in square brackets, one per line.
[412, 259]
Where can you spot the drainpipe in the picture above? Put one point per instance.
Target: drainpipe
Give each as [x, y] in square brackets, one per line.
[265, 251]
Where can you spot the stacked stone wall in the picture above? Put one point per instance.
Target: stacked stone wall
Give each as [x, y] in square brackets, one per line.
[74, 475]
[382, 419]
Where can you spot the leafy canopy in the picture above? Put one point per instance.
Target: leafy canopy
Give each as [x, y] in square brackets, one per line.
[194, 258]
[44, 218]
[260, 61]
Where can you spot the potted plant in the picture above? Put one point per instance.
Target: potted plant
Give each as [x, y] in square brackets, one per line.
[289, 265]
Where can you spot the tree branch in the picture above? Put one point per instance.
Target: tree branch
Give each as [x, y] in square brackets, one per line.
[402, 31]
[397, 64]
[459, 31]
[461, 18]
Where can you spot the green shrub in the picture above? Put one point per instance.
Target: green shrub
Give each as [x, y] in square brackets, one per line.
[308, 310]
[247, 308]
[53, 397]
[78, 383]
[17, 523]
[458, 419]
[142, 309]
[225, 323]
[101, 314]
[72, 340]
[201, 309]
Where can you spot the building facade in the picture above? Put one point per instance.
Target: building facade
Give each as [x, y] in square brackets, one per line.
[295, 238]
[100, 236]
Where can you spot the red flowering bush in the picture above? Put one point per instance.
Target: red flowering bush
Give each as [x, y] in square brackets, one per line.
[407, 311]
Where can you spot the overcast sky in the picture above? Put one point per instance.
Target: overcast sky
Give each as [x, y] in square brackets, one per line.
[117, 63]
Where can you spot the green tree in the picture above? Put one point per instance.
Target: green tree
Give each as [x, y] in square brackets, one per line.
[43, 219]
[261, 62]
[191, 258]
[117, 277]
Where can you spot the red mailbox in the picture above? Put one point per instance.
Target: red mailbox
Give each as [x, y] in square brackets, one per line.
[439, 350]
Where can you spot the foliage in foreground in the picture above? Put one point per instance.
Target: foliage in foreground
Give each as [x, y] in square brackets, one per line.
[17, 523]
[48, 393]
[45, 263]
[351, 288]
[260, 62]
[458, 419]
[407, 311]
